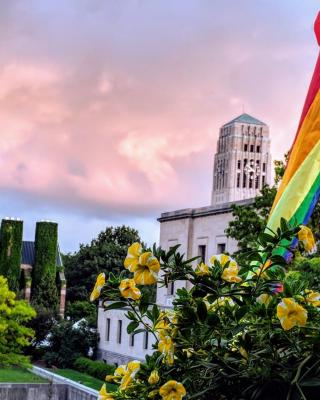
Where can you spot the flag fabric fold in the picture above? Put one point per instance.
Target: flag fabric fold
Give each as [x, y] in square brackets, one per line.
[300, 187]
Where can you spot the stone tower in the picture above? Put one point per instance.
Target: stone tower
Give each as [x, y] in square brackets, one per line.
[242, 163]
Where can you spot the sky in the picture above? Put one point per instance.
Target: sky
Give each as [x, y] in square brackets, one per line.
[110, 110]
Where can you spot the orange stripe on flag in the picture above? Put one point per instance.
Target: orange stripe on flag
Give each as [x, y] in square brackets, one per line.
[307, 138]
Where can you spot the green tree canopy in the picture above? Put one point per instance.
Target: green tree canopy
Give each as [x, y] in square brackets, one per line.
[14, 335]
[104, 254]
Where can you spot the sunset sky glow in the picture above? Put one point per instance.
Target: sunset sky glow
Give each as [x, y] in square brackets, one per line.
[110, 110]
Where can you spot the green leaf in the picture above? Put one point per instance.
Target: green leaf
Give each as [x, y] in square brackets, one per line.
[132, 326]
[115, 305]
[155, 312]
[202, 311]
[283, 225]
[312, 382]
[241, 312]
[276, 259]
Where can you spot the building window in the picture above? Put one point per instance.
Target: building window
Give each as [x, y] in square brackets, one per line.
[202, 252]
[244, 182]
[257, 182]
[250, 181]
[252, 148]
[258, 149]
[264, 167]
[146, 340]
[245, 162]
[131, 340]
[245, 148]
[221, 248]
[119, 336]
[239, 164]
[108, 330]
[170, 289]
[263, 180]
[238, 179]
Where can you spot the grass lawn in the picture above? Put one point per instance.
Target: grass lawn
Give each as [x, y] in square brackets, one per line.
[84, 379]
[18, 375]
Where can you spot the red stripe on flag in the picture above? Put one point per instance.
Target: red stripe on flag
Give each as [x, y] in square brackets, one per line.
[315, 82]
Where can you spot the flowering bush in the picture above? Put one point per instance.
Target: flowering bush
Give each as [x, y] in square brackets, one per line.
[240, 332]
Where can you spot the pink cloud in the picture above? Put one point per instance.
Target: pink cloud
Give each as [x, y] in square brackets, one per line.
[123, 114]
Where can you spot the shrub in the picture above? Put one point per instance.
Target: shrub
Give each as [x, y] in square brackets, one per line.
[82, 309]
[68, 341]
[14, 335]
[97, 369]
[248, 332]
[309, 269]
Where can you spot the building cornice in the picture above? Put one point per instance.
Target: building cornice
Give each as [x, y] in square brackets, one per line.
[202, 211]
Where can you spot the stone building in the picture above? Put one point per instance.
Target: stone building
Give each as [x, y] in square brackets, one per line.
[242, 165]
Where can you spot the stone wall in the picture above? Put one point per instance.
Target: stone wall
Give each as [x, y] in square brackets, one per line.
[30, 391]
[42, 391]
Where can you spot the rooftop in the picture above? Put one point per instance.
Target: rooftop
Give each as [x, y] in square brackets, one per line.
[246, 119]
[28, 254]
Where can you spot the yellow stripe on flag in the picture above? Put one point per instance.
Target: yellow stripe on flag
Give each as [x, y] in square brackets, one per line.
[297, 189]
[308, 137]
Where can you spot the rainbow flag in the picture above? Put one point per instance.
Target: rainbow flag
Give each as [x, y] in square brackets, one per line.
[300, 187]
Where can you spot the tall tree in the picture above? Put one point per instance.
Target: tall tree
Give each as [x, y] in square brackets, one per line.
[104, 254]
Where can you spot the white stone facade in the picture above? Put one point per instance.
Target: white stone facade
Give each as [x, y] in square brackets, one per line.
[200, 232]
[116, 346]
[243, 156]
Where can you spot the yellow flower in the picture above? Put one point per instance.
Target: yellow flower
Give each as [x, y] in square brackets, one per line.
[104, 395]
[230, 274]
[110, 378]
[172, 390]
[291, 314]
[188, 352]
[146, 271]
[220, 302]
[101, 280]
[313, 298]
[202, 269]
[129, 290]
[261, 271]
[154, 377]
[130, 372]
[119, 373]
[133, 255]
[305, 236]
[166, 347]
[223, 259]
[264, 298]
[166, 324]
[244, 353]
